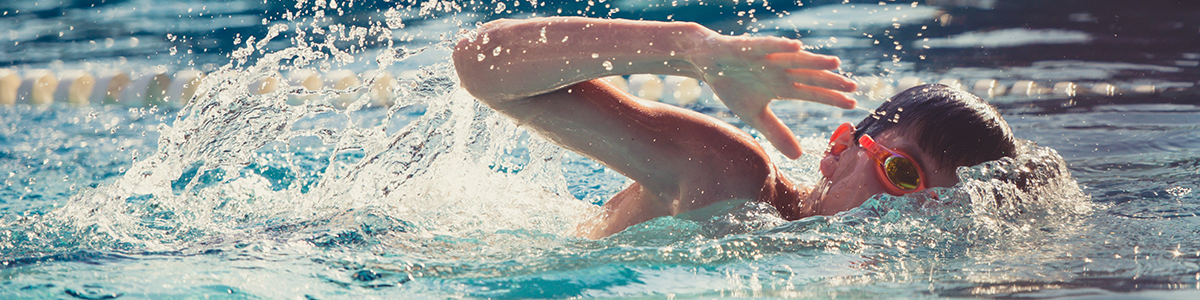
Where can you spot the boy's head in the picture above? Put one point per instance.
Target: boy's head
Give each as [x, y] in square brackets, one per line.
[915, 140]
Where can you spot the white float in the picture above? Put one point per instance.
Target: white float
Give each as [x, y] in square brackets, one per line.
[109, 84]
[342, 81]
[75, 87]
[1026, 88]
[875, 87]
[309, 80]
[1065, 88]
[1145, 88]
[618, 82]
[985, 87]
[680, 90]
[646, 86]
[1104, 89]
[865, 83]
[952, 82]
[155, 92]
[688, 91]
[144, 89]
[183, 87]
[383, 87]
[908, 82]
[10, 81]
[267, 84]
[37, 88]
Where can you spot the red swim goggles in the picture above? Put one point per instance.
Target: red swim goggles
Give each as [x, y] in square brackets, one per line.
[897, 170]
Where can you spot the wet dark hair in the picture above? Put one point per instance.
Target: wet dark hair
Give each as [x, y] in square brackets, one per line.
[953, 126]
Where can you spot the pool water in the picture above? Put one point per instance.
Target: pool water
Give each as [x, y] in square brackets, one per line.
[238, 195]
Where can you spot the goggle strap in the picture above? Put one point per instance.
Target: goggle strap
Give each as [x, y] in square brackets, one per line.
[874, 150]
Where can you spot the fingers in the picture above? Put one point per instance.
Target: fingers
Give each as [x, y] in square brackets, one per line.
[824, 79]
[778, 134]
[763, 119]
[804, 60]
[820, 95]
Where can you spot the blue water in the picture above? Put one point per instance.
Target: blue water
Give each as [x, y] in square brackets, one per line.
[239, 196]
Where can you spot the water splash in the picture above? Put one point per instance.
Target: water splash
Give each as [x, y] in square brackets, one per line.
[436, 172]
[237, 167]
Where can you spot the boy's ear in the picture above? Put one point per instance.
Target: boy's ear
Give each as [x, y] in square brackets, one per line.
[841, 139]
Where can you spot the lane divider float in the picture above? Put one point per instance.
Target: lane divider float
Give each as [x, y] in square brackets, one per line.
[157, 87]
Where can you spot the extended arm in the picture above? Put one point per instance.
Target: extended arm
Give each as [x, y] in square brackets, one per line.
[515, 59]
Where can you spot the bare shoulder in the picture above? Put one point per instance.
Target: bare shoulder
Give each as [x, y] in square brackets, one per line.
[714, 160]
[722, 162]
[682, 160]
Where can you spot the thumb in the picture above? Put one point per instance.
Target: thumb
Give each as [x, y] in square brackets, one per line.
[778, 134]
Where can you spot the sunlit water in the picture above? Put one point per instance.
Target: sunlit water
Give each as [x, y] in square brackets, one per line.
[247, 196]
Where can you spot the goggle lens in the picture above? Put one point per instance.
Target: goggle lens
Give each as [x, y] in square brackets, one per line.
[902, 172]
[899, 170]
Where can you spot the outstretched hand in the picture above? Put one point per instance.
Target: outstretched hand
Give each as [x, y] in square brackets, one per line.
[747, 73]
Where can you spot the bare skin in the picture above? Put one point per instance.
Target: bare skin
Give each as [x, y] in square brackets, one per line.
[543, 73]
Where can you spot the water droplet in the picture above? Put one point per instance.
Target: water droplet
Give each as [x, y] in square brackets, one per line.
[608, 65]
[672, 53]
[496, 52]
[500, 7]
[393, 18]
[481, 56]
[721, 73]
[595, 55]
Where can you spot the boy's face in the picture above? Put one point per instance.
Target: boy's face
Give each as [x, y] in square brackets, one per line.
[852, 177]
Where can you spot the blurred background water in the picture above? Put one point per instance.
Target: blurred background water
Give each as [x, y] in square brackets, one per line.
[245, 196]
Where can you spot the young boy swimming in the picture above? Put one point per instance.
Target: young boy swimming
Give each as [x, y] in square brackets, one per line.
[544, 74]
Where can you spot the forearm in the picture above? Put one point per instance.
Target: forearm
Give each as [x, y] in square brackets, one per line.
[515, 59]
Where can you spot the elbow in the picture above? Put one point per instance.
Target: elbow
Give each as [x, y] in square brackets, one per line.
[468, 74]
[473, 74]
[466, 51]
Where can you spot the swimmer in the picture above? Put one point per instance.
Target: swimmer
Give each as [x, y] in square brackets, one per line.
[544, 73]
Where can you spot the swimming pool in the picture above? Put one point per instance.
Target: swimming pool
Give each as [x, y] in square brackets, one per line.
[247, 196]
